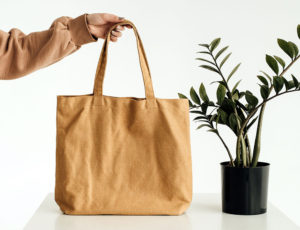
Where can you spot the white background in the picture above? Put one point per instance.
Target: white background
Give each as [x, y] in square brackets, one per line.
[170, 31]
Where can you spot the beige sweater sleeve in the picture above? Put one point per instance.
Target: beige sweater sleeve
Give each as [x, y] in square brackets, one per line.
[22, 54]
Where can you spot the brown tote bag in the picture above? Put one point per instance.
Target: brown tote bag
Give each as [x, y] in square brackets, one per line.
[123, 155]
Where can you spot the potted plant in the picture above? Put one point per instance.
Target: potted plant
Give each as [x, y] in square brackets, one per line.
[244, 178]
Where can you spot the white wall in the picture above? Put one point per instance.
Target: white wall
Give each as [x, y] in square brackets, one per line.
[170, 31]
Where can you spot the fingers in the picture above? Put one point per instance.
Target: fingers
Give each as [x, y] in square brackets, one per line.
[111, 18]
[115, 34]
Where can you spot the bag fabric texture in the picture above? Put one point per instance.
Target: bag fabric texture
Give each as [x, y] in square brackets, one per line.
[123, 155]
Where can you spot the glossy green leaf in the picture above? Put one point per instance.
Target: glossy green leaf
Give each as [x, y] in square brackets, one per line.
[202, 59]
[200, 118]
[197, 112]
[224, 60]
[180, 95]
[221, 91]
[203, 52]
[264, 91]
[296, 82]
[223, 115]
[213, 131]
[204, 45]
[251, 99]
[298, 31]
[235, 86]
[203, 125]
[232, 121]
[287, 85]
[268, 76]
[263, 80]
[272, 63]
[203, 93]
[214, 44]
[221, 51]
[295, 48]
[220, 82]
[284, 45]
[194, 96]
[233, 71]
[213, 117]
[209, 68]
[204, 107]
[235, 96]
[278, 83]
[280, 61]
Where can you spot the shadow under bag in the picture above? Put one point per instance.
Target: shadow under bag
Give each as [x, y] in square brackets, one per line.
[123, 155]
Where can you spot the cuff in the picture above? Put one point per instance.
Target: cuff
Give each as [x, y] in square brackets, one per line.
[79, 30]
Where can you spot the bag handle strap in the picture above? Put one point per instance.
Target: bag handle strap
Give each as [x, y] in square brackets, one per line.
[100, 72]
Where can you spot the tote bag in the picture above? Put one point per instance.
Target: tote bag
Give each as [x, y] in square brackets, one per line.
[123, 155]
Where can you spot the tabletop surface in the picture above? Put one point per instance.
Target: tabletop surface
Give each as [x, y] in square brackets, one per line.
[204, 213]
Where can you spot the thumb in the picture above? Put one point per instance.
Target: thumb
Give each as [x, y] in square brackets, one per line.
[112, 18]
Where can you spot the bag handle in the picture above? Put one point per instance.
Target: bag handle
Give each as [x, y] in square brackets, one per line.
[100, 72]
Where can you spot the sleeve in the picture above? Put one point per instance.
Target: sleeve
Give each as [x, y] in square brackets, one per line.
[22, 54]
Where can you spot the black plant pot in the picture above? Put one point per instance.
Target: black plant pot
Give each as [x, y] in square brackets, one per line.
[245, 190]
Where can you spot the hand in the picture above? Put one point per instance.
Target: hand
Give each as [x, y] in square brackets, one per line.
[100, 23]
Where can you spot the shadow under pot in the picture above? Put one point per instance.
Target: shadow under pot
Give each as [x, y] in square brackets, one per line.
[245, 190]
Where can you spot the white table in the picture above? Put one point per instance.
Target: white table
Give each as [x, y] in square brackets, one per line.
[204, 213]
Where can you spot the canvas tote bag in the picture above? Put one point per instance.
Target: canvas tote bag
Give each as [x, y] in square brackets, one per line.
[123, 155]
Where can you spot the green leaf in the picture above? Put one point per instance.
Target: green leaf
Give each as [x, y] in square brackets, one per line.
[264, 91]
[235, 96]
[203, 93]
[180, 95]
[214, 44]
[232, 121]
[197, 112]
[204, 45]
[220, 52]
[287, 84]
[278, 83]
[280, 61]
[202, 59]
[296, 82]
[223, 115]
[272, 63]
[224, 60]
[263, 80]
[233, 71]
[298, 31]
[268, 76]
[200, 118]
[284, 45]
[295, 48]
[213, 131]
[235, 86]
[203, 52]
[194, 96]
[209, 68]
[220, 82]
[291, 84]
[251, 99]
[221, 91]
[203, 125]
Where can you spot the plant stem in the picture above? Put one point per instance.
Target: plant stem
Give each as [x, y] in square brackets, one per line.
[256, 151]
[240, 135]
[244, 153]
[225, 145]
